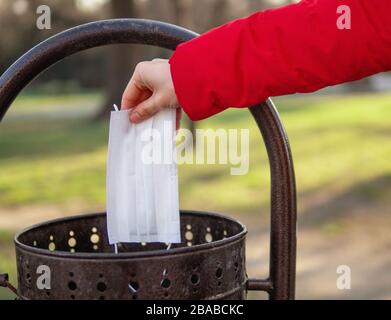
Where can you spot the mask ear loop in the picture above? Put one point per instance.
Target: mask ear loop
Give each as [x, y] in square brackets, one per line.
[165, 270]
[115, 244]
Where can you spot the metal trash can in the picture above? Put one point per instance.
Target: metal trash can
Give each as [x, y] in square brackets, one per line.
[208, 264]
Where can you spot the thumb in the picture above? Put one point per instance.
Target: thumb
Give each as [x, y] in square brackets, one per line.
[144, 110]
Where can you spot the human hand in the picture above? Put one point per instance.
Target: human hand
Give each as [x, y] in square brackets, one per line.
[150, 90]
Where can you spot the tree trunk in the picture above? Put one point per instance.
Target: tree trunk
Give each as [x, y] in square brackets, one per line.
[121, 61]
[363, 85]
[258, 5]
[184, 18]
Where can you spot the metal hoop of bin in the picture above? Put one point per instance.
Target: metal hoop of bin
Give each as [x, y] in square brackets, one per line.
[209, 264]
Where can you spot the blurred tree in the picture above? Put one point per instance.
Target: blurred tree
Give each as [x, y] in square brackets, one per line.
[200, 16]
[121, 60]
[257, 5]
[183, 11]
[363, 85]
[18, 25]
[19, 34]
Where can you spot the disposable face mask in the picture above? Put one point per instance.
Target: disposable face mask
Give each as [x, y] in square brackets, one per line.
[142, 180]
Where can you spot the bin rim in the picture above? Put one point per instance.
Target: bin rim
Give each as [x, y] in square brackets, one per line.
[128, 255]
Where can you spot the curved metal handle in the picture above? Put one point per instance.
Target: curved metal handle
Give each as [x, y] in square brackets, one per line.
[281, 284]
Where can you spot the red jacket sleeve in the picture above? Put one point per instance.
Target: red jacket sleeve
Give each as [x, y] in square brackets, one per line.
[296, 48]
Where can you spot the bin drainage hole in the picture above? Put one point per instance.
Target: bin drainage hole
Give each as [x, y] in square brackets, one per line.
[189, 235]
[165, 283]
[72, 242]
[188, 226]
[52, 246]
[219, 273]
[94, 238]
[101, 286]
[134, 286]
[208, 237]
[72, 285]
[195, 279]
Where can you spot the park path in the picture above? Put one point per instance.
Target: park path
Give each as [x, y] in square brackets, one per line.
[362, 243]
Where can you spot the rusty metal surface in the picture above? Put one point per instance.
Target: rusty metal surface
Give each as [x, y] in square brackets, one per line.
[281, 284]
[208, 264]
[4, 282]
[282, 202]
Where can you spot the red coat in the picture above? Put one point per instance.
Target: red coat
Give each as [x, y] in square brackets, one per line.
[295, 48]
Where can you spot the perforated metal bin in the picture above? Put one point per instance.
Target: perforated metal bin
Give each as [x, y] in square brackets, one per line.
[208, 264]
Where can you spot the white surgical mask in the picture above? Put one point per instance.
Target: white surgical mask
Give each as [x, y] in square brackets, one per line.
[142, 197]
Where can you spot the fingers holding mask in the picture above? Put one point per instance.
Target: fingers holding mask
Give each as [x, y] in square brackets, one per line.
[149, 90]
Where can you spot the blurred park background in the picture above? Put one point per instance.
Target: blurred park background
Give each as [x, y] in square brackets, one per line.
[53, 145]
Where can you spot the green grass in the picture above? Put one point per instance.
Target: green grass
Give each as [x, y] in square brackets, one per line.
[7, 262]
[341, 147]
[48, 102]
[339, 140]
